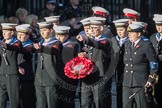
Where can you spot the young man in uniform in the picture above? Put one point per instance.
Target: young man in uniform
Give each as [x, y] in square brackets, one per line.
[140, 70]
[9, 68]
[70, 50]
[86, 25]
[98, 94]
[109, 29]
[49, 62]
[27, 91]
[54, 20]
[134, 17]
[118, 48]
[156, 40]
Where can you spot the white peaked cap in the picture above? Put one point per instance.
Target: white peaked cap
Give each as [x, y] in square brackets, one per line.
[143, 24]
[100, 11]
[11, 24]
[61, 29]
[157, 19]
[85, 21]
[97, 20]
[131, 13]
[44, 24]
[52, 18]
[135, 28]
[8, 26]
[121, 22]
[157, 15]
[23, 28]
[93, 22]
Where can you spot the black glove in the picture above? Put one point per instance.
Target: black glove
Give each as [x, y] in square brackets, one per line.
[148, 93]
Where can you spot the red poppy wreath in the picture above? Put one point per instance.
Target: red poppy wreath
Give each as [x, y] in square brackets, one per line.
[78, 68]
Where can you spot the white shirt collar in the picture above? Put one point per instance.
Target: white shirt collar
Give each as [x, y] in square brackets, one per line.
[136, 42]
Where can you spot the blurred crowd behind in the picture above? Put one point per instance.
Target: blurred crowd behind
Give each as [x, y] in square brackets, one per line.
[70, 15]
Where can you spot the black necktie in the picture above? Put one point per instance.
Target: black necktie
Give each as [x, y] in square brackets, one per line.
[132, 46]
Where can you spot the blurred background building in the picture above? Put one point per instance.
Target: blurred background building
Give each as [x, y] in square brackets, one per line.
[146, 7]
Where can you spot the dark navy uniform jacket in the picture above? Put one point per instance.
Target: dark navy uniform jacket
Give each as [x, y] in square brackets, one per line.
[118, 50]
[70, 50]
[49, 62]
[155, 38]
[140, 62]
[27, 60]
[12, 50]
[100, 53]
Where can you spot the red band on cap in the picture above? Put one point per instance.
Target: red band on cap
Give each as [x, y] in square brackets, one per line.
[100, 13]
[131, 15]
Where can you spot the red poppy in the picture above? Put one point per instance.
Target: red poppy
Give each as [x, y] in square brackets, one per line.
[103, 42]
[78, 68]
[137, 46]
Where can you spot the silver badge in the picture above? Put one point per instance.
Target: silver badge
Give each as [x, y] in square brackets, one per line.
[78, 67]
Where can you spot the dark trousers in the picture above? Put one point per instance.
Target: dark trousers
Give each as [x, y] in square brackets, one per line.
[69, 93]
[158, 90]
[138, 100]
[119, 95]
[27, 94]
[158, 95]
[67, 98]
[47, 96]
[96, 95]
[9, 88]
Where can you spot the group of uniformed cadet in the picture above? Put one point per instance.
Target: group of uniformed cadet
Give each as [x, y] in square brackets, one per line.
[32, 69]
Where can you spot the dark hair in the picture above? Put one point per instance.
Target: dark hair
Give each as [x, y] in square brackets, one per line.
[71, 15]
